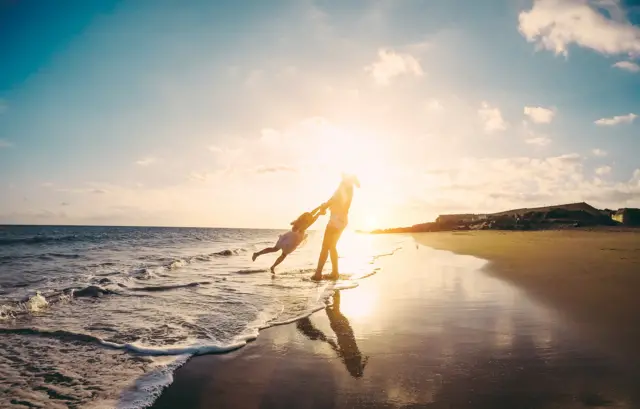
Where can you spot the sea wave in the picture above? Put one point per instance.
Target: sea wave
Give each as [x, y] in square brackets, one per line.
[174, 264]
[10, 241]
[251, 271]
[33, 304]
[391, 253]
[143, 273]
[45, 256]
[169, 287]
[221, 253]
[41, 301]
[195, 349]
[62, 255]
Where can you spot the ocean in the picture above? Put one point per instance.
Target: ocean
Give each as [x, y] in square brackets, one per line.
[101, 317]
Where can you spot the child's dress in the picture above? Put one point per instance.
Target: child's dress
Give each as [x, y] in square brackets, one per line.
[289, 241]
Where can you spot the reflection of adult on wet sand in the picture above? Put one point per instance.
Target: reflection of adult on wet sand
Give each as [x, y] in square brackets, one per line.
[346, 347]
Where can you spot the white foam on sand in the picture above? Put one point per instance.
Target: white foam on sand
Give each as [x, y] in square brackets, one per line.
[148, 387]
[180, 350]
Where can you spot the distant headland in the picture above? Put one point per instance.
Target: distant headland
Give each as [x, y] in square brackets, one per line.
[538, 218]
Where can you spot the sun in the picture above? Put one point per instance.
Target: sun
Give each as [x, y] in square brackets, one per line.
[369, 222]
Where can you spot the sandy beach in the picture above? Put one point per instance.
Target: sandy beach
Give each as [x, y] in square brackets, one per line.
[592, 277]
[531, 328]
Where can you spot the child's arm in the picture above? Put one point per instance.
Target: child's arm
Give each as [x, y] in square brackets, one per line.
[315, 217]
[321, 209]
[317, 209]
[316, 213]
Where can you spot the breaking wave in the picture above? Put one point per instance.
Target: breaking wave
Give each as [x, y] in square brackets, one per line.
[70, 336]
[169, 287]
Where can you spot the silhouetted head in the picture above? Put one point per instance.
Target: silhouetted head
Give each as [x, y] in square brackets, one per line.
[350, 180]
[355, 365]
[303, 222]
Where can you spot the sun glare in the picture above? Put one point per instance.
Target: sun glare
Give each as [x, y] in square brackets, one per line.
[358, 303]
[369, 223]
[340, 149]
[349, 152]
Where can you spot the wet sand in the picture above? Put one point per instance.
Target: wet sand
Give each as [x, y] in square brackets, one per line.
[431, 330]
[592, 277]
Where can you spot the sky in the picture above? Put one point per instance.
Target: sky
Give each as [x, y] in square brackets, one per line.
[245, 113]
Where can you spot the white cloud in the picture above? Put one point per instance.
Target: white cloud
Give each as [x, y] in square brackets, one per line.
[616, 120]
[538, 141]
[492, 184]
[5, 144]
[599, 152]
[269, 135]
[150, 160]
[540, 115]
[276, 169]
[391, 64]
[555, 24]
[214, 149]
[199, 176]
[491, 118]
[627, 65]
[434, 105]
[603, 170]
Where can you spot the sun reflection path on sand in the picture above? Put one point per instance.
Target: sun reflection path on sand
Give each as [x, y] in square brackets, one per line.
[360, 304]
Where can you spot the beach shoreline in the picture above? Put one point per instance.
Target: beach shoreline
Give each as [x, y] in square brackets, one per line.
[459, 332]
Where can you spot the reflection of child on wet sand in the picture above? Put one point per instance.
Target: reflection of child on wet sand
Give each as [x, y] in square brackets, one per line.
[289, 241]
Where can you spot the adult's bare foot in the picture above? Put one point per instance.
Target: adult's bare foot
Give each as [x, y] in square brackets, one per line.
[317, 277]
[334, 275]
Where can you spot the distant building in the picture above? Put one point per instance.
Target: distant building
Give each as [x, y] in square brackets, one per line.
[460, 218]
[627, 216]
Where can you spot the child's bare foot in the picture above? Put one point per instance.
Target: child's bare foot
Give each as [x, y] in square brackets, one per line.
[273, 270]
[254, 257]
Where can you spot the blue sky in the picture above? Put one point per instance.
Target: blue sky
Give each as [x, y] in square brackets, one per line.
[244, 113]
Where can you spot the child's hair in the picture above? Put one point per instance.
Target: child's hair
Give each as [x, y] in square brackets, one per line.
[302, 222]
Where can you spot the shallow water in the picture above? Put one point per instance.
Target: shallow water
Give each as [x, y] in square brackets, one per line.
[101, 317]
[435, 330]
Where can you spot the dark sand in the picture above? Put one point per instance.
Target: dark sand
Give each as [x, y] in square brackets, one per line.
[433, 331]
[591, 276]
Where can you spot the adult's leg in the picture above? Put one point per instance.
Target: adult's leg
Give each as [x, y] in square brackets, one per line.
[324, 253]
[263, 251]
[333, 252]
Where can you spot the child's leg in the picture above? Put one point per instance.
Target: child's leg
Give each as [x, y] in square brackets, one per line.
[278, 261]
[263, 251]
